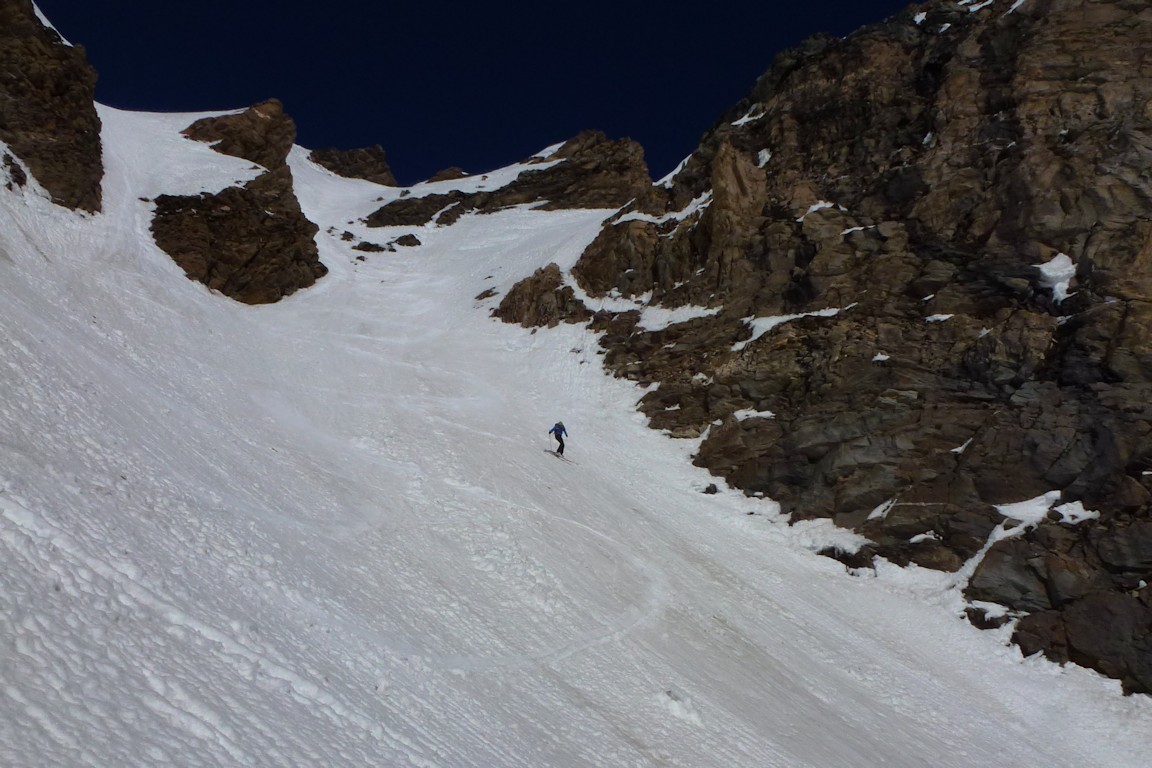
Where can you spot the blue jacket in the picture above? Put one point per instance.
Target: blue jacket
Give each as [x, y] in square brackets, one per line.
[558, 430]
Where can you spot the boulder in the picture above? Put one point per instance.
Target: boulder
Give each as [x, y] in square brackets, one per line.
[541, 299]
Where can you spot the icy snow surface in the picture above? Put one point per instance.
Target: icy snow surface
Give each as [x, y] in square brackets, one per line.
[326, 532]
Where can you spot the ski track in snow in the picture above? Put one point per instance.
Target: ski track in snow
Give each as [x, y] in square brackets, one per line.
[323, 532]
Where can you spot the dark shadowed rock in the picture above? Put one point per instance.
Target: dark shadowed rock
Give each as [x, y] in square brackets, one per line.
[47, 114]
[1112, 632]
[1009, 575]
[368, 163]
[1108, 631]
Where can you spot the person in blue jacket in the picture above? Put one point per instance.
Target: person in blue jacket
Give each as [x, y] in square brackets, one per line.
[560, 433]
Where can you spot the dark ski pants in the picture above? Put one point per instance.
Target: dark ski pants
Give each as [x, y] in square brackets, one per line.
[560, 440]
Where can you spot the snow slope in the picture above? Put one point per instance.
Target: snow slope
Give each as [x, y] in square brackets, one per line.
[326, 531]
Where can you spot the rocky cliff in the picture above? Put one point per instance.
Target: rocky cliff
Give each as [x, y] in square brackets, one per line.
[251, 243]
[928, 255]
[47, 115]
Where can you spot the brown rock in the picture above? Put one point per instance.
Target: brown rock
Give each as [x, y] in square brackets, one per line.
[1008, 575]
[413, 211]
[593, 172]
[16, 175]
[1042, 632]
[1125, 547]
[541, 299]
[47, 113]
[251, 243]
[263, 133]
[368, 163]
[1112, 632]
[449, 174]
[913, 181]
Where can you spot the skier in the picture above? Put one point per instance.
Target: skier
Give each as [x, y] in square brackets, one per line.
[560, 433]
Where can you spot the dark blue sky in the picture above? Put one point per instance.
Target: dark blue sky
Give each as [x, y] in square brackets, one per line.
[477, 85]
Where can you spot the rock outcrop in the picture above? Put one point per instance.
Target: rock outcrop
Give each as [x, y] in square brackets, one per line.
[368, 163]
[542, 300]
[588, 171]
[927, 252]
[263, 133]
[47, 114]
[251, 243]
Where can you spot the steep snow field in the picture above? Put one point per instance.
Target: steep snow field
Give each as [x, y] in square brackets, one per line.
[326, 532]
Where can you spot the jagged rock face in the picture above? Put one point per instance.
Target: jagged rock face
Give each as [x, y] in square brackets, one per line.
[367, 163]
[47, 113]
[251, 243]
[892, 193]
[593, 172]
